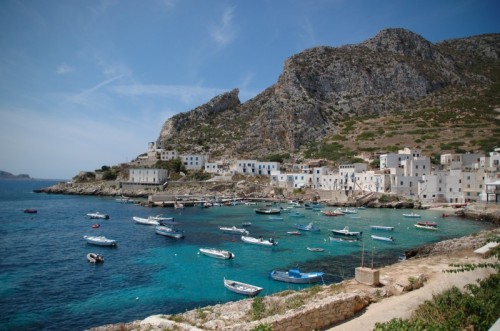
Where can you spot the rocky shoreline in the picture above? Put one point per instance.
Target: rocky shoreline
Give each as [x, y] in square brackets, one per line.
[333, 303]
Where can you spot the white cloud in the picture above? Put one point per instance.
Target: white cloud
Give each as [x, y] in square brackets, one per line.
[224, 33]
[64, 69]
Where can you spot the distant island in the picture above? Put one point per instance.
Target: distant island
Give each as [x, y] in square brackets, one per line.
[8, 175]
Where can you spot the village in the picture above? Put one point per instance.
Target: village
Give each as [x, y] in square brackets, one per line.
[458, 179]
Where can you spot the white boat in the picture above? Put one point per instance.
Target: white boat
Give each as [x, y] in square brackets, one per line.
[124, 199]
[315, 249]
[95, 258]
[344, 239]
[346, 232]
[217, 253]
[162, 220]
[348, 211]
[145, 221]
[178, 205]
[276, 218]
[296, 277]
[98, 215]
[100, 240]
[381, 227]
[426, 225]
[382, 238]
[412, 215]
[308, 227]
[242, 288]
[169, 232]
[233, 230]
[259, 241]
[267, 211]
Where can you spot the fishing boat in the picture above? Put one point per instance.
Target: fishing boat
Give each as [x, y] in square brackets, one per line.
[95, 258]
[296, 277]
[233, 230]
[381, 227]
[100, 240]
[259, 241]
[217, 253]
[145, 221]
[98, 215]
[169, 232]
[382, 238]
[315, 249]
[426, 225]
[267, 211]
[308, 227]
[411, 215]
[242, 288]
[346, 232]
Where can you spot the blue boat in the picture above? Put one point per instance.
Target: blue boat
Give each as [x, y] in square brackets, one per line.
[308, 227]
[296, 277]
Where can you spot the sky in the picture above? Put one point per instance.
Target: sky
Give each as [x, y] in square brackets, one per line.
[89, 83]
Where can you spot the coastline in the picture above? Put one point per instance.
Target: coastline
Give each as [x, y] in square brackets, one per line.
[404, 285]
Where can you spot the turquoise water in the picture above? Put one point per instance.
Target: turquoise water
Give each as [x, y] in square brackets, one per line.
[47, 284]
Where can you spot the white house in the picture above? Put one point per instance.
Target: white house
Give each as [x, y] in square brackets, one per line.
[148, 175]
[193, 161]
[253, 167]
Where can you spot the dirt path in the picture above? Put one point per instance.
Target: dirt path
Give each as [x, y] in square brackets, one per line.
[401, 306]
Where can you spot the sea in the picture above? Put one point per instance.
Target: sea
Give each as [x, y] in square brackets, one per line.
[46, 282]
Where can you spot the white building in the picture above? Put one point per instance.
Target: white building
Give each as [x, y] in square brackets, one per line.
[193, 161]
[148, 175]
[253, 167]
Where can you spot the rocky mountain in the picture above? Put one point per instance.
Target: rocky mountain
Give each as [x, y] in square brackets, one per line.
[8, 175]
[333, 102]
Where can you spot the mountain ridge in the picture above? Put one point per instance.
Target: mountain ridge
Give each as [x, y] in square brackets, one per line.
[323, 90]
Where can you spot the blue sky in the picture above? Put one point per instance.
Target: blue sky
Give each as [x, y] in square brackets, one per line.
[90, 83]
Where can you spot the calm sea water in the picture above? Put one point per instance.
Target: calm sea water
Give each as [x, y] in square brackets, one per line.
[46, 282]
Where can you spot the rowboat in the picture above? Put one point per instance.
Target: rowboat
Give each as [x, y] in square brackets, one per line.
[145, 221]
[233, 230]
[267, 211]
[315, 249]
[426, 225]
[100, 240]
[259, 241]
[169, 232]
[242, 288]
[296, 277]
[217, 253]
[380, 227]
[382, 238]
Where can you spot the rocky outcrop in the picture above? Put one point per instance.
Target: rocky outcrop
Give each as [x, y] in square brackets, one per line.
[323, 87]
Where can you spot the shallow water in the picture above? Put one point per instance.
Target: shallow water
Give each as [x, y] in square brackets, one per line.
[47, 284]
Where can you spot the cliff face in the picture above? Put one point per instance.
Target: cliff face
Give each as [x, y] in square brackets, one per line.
[323, 87]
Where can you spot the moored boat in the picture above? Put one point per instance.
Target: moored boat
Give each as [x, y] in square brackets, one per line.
[346, 232]
[267, 211]
[169, 232]
[294, 233]
[412, 215]
[242, 288]
[381, 227]
[296, 214]
[315, 249]
[163, 220]
[382, 238]
[98, 215]
[178, 205]
[296, 277]
[308, 227]
[95, 258]
[30, 211]
[259, 241]
[276, 218]
[95, 226]
[145, 221]
[100, 240]
[233, 230]
[217, 253]
[330, 213]
[344, 239]
[426, 225]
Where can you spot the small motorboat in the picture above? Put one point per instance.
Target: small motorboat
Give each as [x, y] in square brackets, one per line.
[246, 224]
[242, 288]
[98, 215]
[391, 239]
[164, 220]
[95, 226]
[345, 239]
[100, 240]
[315, 249]
[294, 233]
[30, 211]
[169, 232]
[178, 205]
[308, 227]
[426, 225]
[217, 253]
[297, 215]
[331, 213]
[411, 215]
[233, 230]
[124, 199]
[346, 232]
[259, 241]
[275, 218]
[381, 227]
[145, 221]
[95, 258]
[267, 211]
[296, 277]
